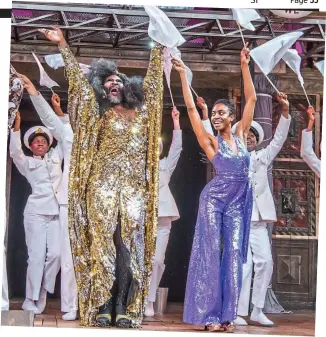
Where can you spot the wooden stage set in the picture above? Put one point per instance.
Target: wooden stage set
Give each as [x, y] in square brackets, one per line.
[298, 323]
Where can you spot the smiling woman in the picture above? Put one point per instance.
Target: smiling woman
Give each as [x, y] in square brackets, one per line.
[225, 208]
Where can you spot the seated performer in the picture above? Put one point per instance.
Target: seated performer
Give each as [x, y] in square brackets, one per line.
[167, 210]
[41, 214]
[113, 184]
[263, 212]
[214, 276]
[58, 123]
[307, 152]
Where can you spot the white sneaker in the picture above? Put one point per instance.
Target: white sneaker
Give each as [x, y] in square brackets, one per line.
[70, 316]
[261, 319]
[149, 310]
[41, 302]
[29, 305]
[240, 321]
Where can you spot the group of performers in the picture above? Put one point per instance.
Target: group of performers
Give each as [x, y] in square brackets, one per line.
[105, 220]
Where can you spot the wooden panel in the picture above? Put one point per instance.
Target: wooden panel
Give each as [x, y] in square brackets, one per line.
[295, 272]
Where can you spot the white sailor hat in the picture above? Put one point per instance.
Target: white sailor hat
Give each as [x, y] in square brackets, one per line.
[35, 131]
[256, 128]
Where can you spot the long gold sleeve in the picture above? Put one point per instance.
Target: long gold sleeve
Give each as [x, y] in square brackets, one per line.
[85, 119]
[153, 91]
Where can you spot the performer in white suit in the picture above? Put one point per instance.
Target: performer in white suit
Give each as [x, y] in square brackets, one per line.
[167, 210]
[307, 152]
[41, 214]
[58, 123]
[263, 212]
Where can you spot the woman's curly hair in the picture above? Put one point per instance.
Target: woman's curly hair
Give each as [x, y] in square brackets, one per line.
[132, 93]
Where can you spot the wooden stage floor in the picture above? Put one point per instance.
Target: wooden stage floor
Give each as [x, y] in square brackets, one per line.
[300, 323]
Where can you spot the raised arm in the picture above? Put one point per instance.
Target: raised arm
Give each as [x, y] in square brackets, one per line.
[176, 145]
[206, 122]
[44, 110]
[15, 146]
[79, 87]
[207, 142]
[250, 97]
[281, 132]
[307, 152]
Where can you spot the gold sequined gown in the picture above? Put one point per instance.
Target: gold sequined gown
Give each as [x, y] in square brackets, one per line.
[113, 177]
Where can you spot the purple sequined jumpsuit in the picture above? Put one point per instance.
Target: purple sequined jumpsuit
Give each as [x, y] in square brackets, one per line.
[221, 240]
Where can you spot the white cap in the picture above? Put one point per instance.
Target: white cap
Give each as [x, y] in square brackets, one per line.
[255, 126]
[39, 130]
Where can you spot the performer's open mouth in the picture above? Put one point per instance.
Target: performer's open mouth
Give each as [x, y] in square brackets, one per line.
[115, 91]
[217, 123]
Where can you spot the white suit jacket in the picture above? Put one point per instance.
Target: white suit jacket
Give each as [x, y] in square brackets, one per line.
[61, 130]
[44, 176]
[167, 206]
[263, 203]
[307, 153]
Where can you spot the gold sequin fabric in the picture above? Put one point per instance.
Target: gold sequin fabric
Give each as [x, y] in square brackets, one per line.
[113, 171]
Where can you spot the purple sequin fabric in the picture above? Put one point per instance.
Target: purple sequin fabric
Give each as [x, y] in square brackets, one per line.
[221, 240]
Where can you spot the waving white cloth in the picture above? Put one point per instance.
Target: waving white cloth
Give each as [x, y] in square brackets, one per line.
[161, 29]
[270, 53]
[244, 17]
[45, 79]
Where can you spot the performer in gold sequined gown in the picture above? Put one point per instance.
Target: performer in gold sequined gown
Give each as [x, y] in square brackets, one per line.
[113, 184]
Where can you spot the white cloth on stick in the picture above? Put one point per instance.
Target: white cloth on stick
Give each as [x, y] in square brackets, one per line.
[270, 53]
[245, 16]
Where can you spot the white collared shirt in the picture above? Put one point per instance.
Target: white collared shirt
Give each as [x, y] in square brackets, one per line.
[44, 176]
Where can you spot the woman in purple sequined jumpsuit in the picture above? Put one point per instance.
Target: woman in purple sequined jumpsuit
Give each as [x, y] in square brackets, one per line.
[222, 230]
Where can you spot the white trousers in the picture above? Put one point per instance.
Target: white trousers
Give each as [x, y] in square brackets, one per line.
[42, 233]
[259, 255]
[69, 295]
[5, 297]
[162, 239]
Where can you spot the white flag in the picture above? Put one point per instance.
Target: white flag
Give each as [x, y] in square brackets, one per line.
[168, 64]
[293, 60]
[320, 66]
[55, 61]
[244, 17]
[45, 79]
[168, 53]
[270, 53]
[161, 29]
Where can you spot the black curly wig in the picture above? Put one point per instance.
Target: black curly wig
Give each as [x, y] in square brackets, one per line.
[132, 92]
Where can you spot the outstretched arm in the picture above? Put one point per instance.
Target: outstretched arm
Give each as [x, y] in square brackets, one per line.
[307, 153]
[250, 97]
[176, 145]
[15, 146]
[205, 140]
[79, 87]
[44, 110]
[281, 132]
[206, 122]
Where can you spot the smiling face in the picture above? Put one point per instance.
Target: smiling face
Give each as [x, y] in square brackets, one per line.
[251, 141]
[222, 117]
[113, 86]
[39, 146]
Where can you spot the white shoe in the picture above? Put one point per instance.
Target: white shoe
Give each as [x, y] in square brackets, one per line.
[149, 310]
[41, 302]
[261, 319]
[240, 321]
[29, 305]
[70, 316]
